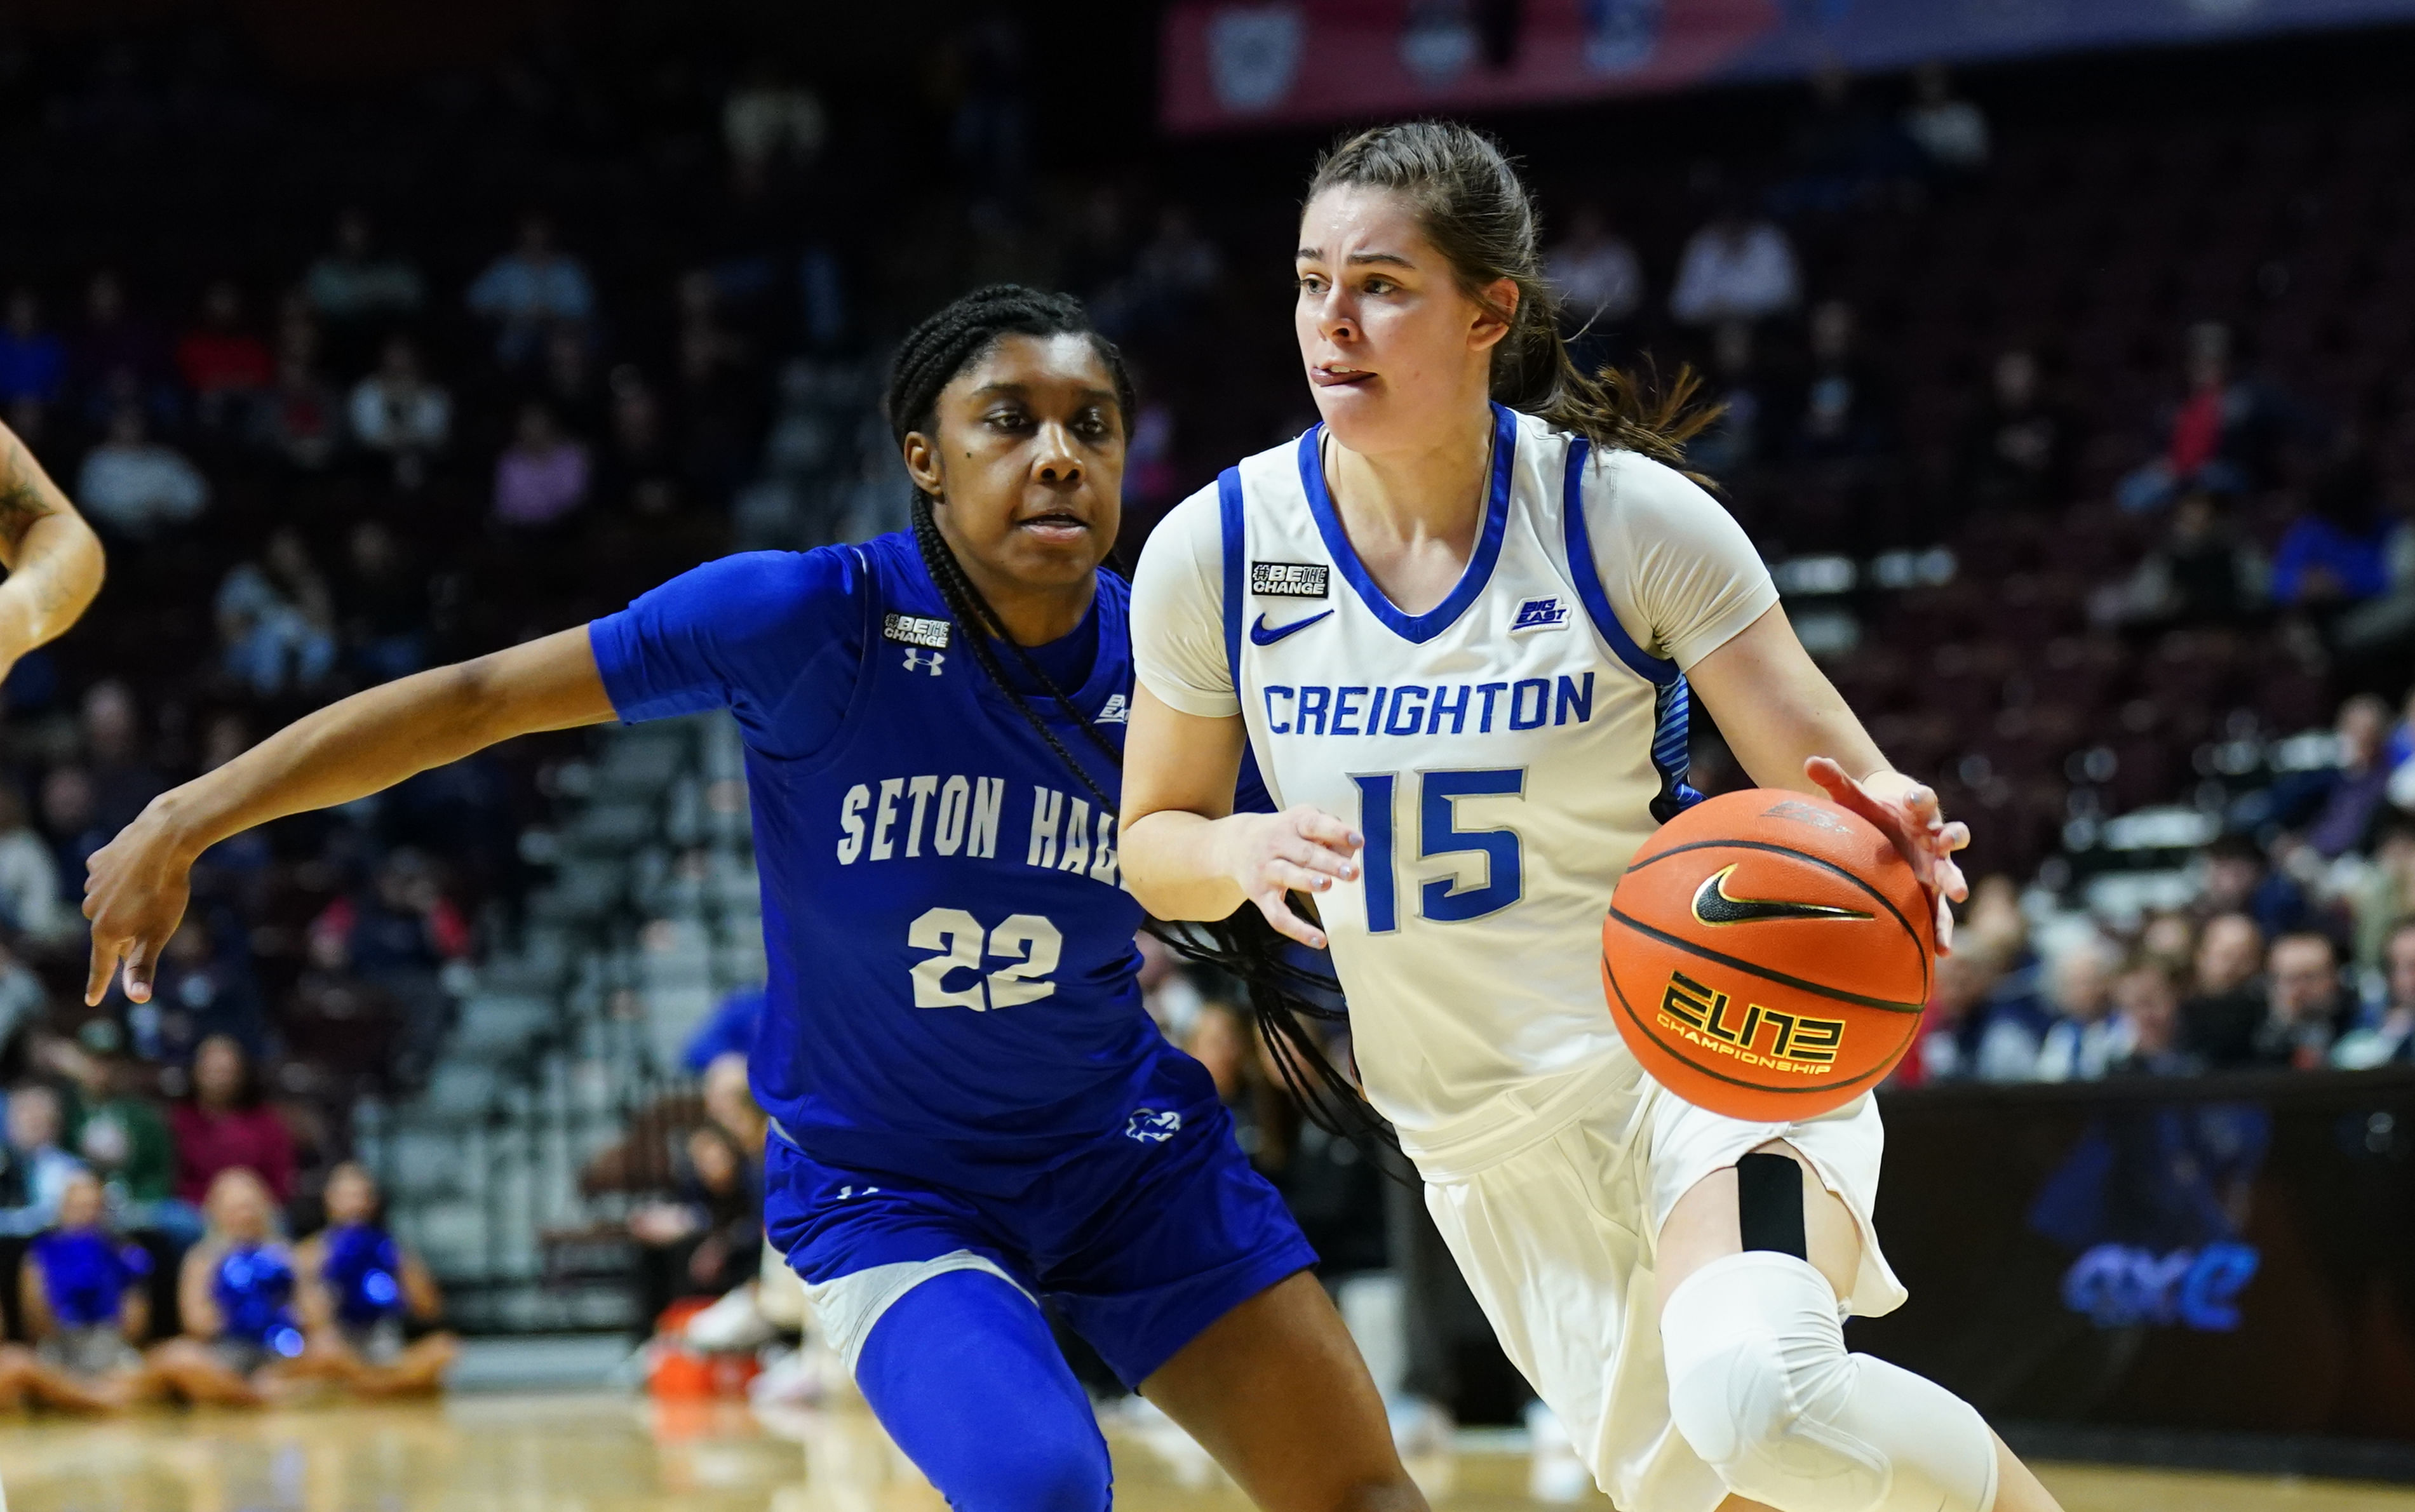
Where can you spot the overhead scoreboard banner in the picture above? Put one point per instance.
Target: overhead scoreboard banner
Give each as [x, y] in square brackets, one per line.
[1231, 63]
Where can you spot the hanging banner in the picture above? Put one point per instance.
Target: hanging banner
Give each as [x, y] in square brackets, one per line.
[1240, 63]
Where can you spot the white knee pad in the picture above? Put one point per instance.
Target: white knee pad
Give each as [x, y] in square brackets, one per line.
[1761, 1386]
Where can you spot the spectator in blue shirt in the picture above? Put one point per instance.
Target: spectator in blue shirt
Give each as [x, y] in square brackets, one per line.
[529, 290]
[2354, 792]
[37, 1169]
[2338, 551]
[729, 1030]
[33, 361]
[2391, 1039]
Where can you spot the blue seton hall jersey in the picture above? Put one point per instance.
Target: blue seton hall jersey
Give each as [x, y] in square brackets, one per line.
[952, 991]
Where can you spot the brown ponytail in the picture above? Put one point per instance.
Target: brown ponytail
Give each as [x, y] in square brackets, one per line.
[1473, 207]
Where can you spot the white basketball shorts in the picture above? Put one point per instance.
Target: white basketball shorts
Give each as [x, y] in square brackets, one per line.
[1556, 1241]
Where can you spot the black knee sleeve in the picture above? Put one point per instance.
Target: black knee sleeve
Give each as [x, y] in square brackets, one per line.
[1769, 1205]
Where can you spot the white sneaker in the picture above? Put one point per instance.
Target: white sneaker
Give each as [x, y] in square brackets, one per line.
[791, 1378]
[730, 1325]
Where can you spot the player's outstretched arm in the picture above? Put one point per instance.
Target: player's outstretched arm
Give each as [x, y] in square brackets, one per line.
[1789, 727]
[1187, 855]
[136, 891]
[54, 560]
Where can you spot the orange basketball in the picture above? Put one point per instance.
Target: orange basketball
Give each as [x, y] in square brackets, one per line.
[1767, 955]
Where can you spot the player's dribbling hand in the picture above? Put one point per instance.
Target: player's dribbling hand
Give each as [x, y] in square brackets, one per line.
[134, 891]
[1907, 810]
[1303, 848]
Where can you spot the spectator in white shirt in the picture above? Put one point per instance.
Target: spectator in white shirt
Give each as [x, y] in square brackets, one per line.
[2085, 1038]
[23, 1000]
[1951, 133]
[398, 413]
[133, 486]
[1166, 991]
[29, 876]
[529, 290]
[1595, 271]
[1735, 268]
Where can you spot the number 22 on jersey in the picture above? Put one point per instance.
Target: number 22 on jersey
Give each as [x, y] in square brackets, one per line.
[1029, 940]
[1442, 900]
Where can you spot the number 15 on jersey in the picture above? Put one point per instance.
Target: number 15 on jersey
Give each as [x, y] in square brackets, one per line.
[1441, 899]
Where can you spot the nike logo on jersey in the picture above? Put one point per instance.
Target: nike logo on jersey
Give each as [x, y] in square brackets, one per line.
[1261, 634]
[1713, 905]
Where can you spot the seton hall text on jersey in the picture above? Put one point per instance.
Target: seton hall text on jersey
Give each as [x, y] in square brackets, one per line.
[958, 816]
[1417, 709]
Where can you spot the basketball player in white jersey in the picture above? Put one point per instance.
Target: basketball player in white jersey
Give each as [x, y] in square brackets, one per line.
[1458, 622]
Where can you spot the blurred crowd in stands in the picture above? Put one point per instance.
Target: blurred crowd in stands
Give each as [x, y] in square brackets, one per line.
[2295, 950]
[329, 445]
[2081, 444]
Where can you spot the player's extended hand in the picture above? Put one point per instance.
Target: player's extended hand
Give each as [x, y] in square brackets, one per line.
[1907, 810]
[1302, 847]
[135, 890]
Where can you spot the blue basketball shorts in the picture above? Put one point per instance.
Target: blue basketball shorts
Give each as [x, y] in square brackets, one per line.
[1143, 1239]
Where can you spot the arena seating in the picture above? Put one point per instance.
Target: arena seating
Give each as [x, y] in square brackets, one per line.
[606, 881]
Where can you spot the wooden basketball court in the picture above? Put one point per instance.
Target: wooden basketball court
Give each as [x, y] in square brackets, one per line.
[615, 1454]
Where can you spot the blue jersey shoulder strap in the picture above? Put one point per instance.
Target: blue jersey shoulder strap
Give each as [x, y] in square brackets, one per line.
[1228, 502]
[1672, 701]
[1588, 576]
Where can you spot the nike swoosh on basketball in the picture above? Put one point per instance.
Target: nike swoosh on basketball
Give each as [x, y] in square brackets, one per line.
[1261, 636]
[1713, 904]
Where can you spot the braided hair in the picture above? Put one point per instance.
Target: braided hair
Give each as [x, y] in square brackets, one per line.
[1286, 998]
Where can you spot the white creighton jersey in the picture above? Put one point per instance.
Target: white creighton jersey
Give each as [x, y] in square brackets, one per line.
[1504, 753]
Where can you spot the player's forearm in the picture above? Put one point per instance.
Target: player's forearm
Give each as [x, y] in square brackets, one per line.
[345, 750]
[1178, 774]
[1774, 751]
[57, 574]
[375, 739]
[1778, 710]
[1173, 863]
[54, 560]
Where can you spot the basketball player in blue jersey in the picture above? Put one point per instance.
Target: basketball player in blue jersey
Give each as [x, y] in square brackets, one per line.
[1459, 625]
[972, 1111]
